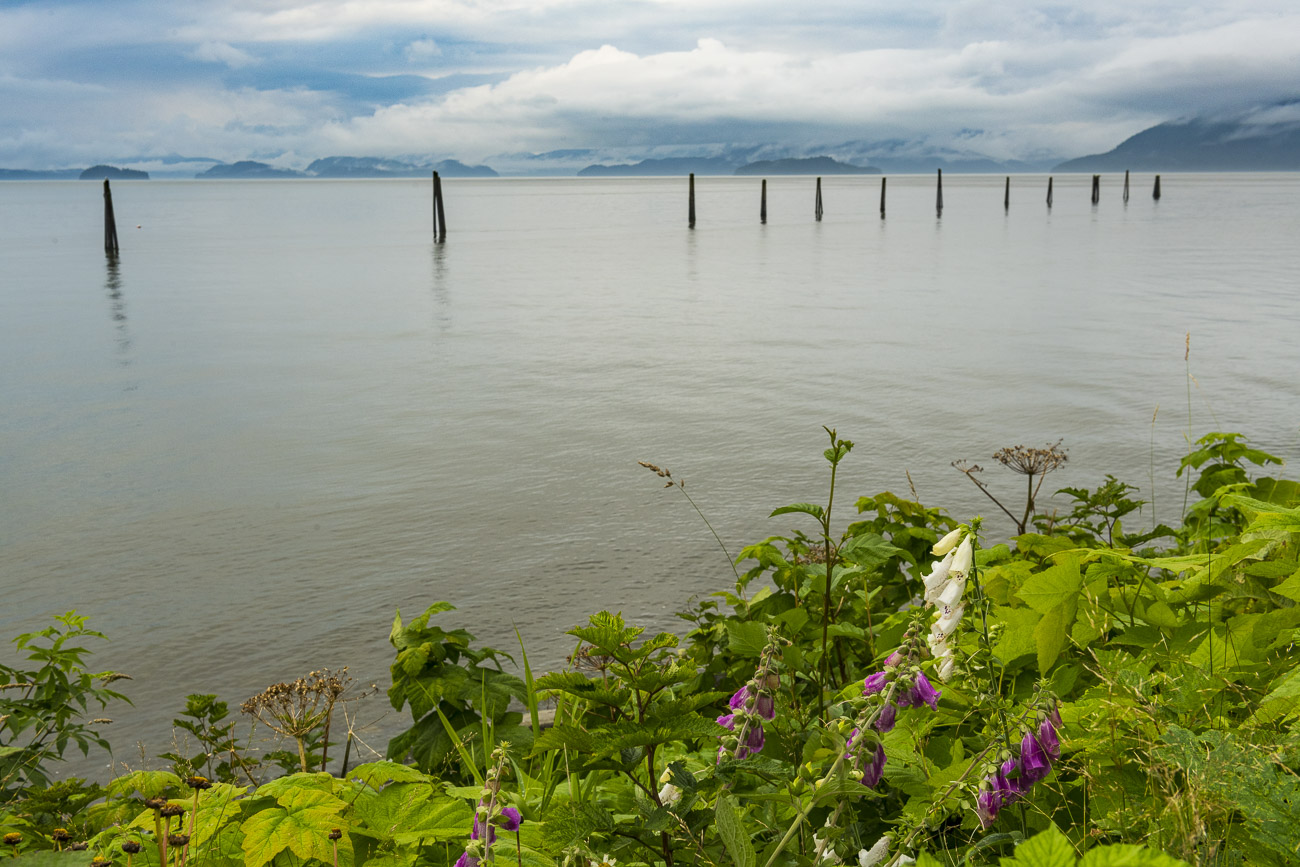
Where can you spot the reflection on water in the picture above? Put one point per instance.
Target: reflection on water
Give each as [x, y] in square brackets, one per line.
[441, 295]
[117, 308]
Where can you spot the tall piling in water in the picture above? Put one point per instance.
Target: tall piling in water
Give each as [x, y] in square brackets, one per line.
[1155, 194]
[1006, 196]
[1126, 186]
[762, 204]
[817, 206]
[110, 222]
[690, 205]
[1049, 192]
[938, 197]
[882, 197]
[439, 212]
[1096, 189]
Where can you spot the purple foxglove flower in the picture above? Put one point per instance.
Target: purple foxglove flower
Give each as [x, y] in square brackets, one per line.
[765, 706]
[875, 683]
[477, 832]
[1054, 716]
[1010, 781]
[1047, 739]
[873, 769]
[753, 739]
[466, 861]
[885, 722]
[920, 693]
[987, 804]
[728, 721]
[738, 699]
[512, 819]
[1034, 763]
[894, 658]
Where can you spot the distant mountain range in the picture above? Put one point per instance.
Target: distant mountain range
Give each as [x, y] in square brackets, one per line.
[1262, 140]
[805, 166]
[347, 167]
[94, 173]
[675, 166]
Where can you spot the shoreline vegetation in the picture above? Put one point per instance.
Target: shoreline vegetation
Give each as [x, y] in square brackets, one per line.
[897, 691]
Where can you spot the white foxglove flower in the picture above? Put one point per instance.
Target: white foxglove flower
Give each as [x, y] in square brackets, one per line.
[874, 855]
[948, 663]
[669, 794]
[965, 556]
[948, 622]
[939, 574]
[951, 593]
[947, 543]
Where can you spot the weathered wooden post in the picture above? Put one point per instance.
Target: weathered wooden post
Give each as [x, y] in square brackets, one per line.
[1096, 189]
[1156, 193]
[938, 199]
[690, 210]
[110, 222]
[1006, 196]
[1049, 192]
[817, 207]
[762, 205]
[882, 197]
[439, 213]
[1126, 186]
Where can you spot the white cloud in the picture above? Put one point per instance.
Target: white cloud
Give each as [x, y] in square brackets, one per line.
[223, 52]
[421, 50]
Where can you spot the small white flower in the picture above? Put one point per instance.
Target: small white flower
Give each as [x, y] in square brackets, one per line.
[874, 855]
[951, 593]
[946, 666]
[669, 794]
[934, 581]
[965, 555]
[948, 622]
[947, 543]
[604, 861]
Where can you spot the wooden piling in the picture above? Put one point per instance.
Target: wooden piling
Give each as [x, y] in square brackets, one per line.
[1156, 193]
[1006, 196]
[1096, 189]
[1126, 186]
[1049, 192]
[817, 207]
[110, 222]
[439, 212]
[882, 198]
[762, 204]
[938, 198]
[690, 209]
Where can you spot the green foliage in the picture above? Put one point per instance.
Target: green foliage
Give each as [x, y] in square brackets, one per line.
[44, 710]
[1169, 654]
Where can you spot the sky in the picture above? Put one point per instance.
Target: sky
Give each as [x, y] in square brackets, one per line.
[515, 83]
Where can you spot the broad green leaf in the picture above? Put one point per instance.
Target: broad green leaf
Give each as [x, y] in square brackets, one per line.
[1125, 855]
[734, 835]
[869, 550]
[1018, 639]
[377, 774]
[1053, 632]
[290, 785]
[805, 508]
[301, 824]
[1044, 591]
[1048, 848]
[746, 637]
[150, 784]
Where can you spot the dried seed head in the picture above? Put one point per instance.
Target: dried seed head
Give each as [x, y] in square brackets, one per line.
[198, 782]
[78, 847]
[13, 838]
[130, 847]
[1032, 462]
[177, 840]
[60, 835]
[155, 803]
[172, 810]
[335, 834]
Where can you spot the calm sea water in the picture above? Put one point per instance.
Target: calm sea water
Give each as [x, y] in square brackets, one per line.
[285, 413]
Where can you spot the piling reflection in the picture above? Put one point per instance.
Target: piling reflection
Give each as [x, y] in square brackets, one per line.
[117, 307]
[442, 318]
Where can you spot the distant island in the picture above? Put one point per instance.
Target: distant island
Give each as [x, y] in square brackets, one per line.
[670, 166]
[805, 166]
[346, 167]
[101, 172]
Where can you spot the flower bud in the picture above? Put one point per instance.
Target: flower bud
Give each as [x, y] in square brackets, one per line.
[947, 543]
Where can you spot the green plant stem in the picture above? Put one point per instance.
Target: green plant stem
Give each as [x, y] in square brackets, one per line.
[824, 668]
[730, 561]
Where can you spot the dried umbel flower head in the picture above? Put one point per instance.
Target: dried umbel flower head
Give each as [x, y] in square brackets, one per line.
[198, 783]
[13, 838]
[1032, 462]
[336, 834]
[131, 847]
[60, 835]
[177, 840]
[297, 708]
[171, 810]
[155, 803]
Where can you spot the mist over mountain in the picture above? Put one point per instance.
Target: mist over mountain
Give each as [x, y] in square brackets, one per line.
[1265, 139]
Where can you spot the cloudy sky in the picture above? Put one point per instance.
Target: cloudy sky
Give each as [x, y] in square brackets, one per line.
[287, 81]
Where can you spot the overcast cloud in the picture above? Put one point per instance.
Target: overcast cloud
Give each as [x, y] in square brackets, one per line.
[286, 82]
